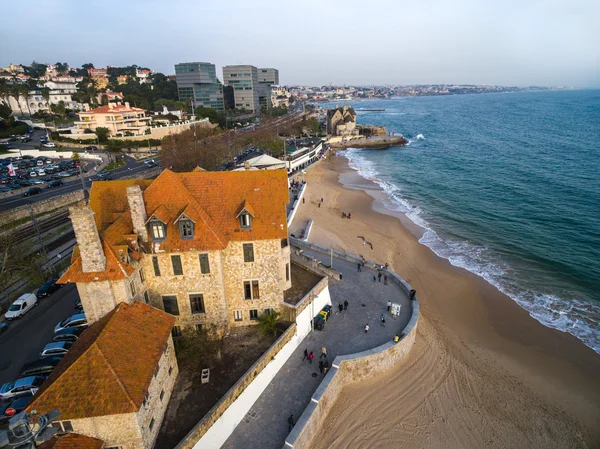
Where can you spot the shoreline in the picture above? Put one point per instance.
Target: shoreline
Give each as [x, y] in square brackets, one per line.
[478, 351]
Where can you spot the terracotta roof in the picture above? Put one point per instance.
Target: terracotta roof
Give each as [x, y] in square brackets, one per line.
[72, 441]
[110, 367]
[212, 200]
[117, 108]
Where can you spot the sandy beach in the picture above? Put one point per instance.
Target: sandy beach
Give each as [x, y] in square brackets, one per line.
[482, 373]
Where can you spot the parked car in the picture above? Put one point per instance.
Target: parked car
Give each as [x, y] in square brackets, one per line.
[76, 320]
[68, 334]
[47, 288]
[25, 139]
[56, 349]
[49, 145]
[56, 183]
[33, 174]
[41, 172]
[91, 148]
[10, 408]
[21, 306]
[37, 182]
[21, 387]
[39, 162]
[41, 367]
[43, 138]
[32, 191]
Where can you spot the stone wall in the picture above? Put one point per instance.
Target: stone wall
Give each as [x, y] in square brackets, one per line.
[155, 407]
[195, 435]
[351, 368]
[115, 430]
[40, 207]
[90, 246]
[313, 264]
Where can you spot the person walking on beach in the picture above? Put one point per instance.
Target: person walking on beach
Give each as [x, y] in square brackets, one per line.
[358, 267]
[323, 352]
[389, 305]
[366, 328]
[291, 423]
[345, 304]
[310, 357]
[305, 355]
[379, 276]
[385, 279]
[382, 318]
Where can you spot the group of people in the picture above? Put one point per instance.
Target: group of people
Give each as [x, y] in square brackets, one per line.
[343, 306]
[379, 276]
[323, 365]
[346, 215]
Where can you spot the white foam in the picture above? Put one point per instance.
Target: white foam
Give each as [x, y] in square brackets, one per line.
[572, 315]
[420, 137]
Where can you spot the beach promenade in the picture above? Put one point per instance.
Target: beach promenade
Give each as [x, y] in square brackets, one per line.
[266, 425]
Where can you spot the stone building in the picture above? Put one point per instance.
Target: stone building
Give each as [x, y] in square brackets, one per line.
[342, 122]
[114, 384]
[206, 247]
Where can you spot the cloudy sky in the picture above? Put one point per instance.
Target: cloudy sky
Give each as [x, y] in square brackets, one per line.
[543, 42]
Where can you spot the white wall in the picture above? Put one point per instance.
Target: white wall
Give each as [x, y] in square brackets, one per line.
[216, 436]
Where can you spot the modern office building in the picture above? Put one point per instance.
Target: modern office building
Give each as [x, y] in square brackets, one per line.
[244, 80]
[268, 76]
[197, 83]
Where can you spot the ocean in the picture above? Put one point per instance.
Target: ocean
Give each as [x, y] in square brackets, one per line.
[506, 186]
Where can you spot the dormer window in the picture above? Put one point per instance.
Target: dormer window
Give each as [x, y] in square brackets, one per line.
[158, 230]
[186, 229]
[246, 221]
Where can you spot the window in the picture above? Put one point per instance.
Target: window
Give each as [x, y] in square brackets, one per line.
[176, 331]
[155, 264]
[287, 272]
[151, 424]
[251, 290]
[177, 268]
[132, 287]
[63, 426]
[162, 394]
[146, 299]
[237, 315]
[246, 221]
[254, 314]
[186, 229]
[204, 265]
[197, 303]
[248, 252]
[284, 243]
[170, 305]
[170, 370]
[268, 311]
[199, 327]
[141, 276]
[158, 231]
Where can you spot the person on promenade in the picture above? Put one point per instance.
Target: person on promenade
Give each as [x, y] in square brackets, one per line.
[305, 355]
[310, 357]
[379, 276]
[389, 305]
[358, 267]
[385, 279]
[366, 328]
[374, 278]
[291, 423]
[396, 338]
[321, 367]
[345, 304]
[340, 307]
[323, 352]
[382, 318]
[325, 367]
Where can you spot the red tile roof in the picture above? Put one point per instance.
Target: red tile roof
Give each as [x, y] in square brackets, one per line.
[117, 108]
[212, 200]
[110, 367]
[72, 441]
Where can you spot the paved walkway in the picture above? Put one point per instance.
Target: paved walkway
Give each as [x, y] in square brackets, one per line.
[265, 426]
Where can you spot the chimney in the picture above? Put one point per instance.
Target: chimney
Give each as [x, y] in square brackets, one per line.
[246, 165]
[90, 247]
[138, 211]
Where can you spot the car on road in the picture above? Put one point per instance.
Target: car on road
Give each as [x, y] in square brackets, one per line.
[21, 387]
[4, 189]
[25, 139]
[76, 320]
[49, 145]
[37, 181]
[56, 183]
[47, 288]
[21, 306]
[32, 191]
[56, 349]
[41, 367]
[91, 148]
[43, 138]
[10, 408]
[68, 334]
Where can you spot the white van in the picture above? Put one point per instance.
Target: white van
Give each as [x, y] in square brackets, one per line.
[21, 306]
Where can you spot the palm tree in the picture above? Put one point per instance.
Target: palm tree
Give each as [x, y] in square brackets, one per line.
[267, 322]
[46, 95]
[24, 90]
[4, 91]
[15, 90]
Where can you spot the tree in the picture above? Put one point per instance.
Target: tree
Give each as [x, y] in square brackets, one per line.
[87, 66]
[62, 67]
[267, 323]
[35, 70]
[75, 156]
[5, 111]
[102, 133]
[212, 115]
[18, 262]
[16, 92]
[59, 109]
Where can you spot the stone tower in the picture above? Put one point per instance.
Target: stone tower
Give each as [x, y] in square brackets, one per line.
[90, 247]
[138, 211]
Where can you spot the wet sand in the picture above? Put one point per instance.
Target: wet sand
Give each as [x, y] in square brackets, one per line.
[482, 373]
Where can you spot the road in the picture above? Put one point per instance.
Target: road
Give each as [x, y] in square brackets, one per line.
[25, 338]
[131, 167]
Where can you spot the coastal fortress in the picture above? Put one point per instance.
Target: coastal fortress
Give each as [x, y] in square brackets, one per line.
[345, 133]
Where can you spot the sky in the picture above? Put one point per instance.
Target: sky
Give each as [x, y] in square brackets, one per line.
[317, 42]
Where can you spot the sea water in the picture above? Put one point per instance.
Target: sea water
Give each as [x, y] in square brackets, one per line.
[506, 186]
